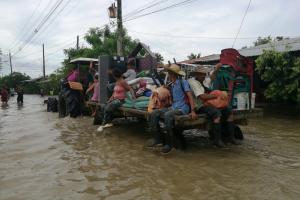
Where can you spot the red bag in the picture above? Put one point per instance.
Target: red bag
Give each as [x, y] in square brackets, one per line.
[220, 102]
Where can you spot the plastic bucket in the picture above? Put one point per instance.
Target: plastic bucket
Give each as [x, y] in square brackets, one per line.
[252, 100]
[240, 100]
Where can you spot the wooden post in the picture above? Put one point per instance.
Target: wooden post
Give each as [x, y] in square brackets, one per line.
[77, 44]
[44, 71]
[10, 63]
[120, 29]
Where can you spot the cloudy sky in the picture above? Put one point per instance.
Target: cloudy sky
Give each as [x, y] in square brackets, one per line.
[200, 26]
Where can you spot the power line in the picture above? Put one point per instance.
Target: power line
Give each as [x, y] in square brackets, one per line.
[41, 31]
[241, 23]
[162, 9]
[144, 7]
[189, 36]
[28, 32]
[28, 21]
[41, 24]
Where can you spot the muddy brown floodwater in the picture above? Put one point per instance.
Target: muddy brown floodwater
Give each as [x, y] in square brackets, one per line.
[43, 157]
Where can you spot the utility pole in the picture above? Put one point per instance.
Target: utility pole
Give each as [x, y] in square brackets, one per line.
[44, 71]
[77, 47]
[120, 29]
[0, 60]
[10, 63]
[77, 44]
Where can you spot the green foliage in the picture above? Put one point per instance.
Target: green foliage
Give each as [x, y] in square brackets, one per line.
[194, 56]
[159, 58]
[269, 39]
[282, 72]
[14, 80]
[100, 42]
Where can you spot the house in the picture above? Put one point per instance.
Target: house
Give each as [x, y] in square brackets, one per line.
[291, 45]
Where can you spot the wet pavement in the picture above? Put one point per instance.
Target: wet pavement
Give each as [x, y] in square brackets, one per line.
[43, 157]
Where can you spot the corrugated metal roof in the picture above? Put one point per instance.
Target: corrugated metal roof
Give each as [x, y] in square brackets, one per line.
[292, 44]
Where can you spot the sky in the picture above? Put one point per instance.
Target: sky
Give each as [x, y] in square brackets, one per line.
[200, 26]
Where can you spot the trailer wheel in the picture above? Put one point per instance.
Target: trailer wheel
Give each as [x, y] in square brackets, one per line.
[62, 106]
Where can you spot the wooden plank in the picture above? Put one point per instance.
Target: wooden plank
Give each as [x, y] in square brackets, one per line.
[240, 116]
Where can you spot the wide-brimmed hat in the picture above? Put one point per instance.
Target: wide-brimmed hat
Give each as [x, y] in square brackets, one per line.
[201, 70]
[175, 69]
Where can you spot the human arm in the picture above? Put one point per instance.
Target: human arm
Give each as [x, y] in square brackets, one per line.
[90, 88]
[205, 97]
[214, 73]
[192, 104]
[128, 88]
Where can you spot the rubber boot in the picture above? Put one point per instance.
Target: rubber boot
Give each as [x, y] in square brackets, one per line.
[217, 135]
[170, 140]
[157, 140]
[231, 138]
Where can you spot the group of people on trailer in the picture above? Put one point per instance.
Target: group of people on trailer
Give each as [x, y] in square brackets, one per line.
[188, 97]
[5, 94]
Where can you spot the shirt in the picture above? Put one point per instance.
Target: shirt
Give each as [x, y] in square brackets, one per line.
[129, 75]
[179, 95]
[197, 89]
[73, 76]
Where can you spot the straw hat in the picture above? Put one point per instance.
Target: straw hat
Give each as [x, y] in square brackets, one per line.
[175, 69]
[202, 70]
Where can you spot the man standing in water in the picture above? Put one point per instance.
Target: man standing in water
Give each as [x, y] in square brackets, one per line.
[20, 93]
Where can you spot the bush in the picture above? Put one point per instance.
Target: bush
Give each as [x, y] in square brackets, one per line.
[281, 71]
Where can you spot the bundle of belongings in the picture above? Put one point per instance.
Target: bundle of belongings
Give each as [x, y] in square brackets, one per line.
[148, 96]
[142, 94]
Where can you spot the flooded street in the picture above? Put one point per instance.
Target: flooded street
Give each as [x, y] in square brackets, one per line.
[43, 157]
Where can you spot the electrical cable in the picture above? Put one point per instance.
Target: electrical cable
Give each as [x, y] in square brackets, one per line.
[144, 7]
[182, 3]
[41, 24]
[28, 21]
[241, 23]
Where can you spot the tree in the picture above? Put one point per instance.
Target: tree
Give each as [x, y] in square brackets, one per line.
[16, 79]
[263, 40]
[99, 42]
[194, 56]
[282, 73]
[159, 58]
[102, 42]
[269, 39]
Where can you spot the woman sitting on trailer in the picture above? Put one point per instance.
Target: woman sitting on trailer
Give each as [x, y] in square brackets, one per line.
[116, 100]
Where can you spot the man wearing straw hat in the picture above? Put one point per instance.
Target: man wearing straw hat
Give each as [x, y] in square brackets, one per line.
[182, 104]
[212, 112]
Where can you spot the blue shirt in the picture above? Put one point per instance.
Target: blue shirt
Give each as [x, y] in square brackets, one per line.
[178, 96]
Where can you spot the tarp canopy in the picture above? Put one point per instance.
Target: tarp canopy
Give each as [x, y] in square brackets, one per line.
[82, 60]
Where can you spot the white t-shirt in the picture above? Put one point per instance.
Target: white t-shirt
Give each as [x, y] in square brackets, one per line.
[129, 75]
[196, 87]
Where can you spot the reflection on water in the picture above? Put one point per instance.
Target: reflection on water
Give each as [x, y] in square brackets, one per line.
[43, 157]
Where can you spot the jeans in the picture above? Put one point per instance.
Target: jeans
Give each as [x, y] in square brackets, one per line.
[214, 113]
[168, 115]
[109, 109]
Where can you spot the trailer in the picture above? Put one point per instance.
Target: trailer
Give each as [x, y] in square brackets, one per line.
[229, 57]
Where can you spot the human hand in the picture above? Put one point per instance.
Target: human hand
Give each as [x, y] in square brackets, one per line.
[193, 115]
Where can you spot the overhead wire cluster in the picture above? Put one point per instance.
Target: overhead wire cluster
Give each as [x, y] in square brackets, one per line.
[36, 28]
